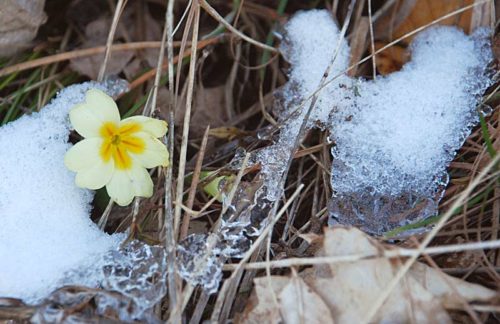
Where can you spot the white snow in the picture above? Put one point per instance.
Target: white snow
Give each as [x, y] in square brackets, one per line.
[309, 55]
[393, 137]
[406, 127]
[45, 228]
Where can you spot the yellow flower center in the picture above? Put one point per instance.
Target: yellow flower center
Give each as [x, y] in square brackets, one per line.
[119, 142]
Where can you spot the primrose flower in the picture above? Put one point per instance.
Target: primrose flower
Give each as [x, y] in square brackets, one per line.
[115, 153]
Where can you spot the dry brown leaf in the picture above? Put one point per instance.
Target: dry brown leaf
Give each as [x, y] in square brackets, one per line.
[263, 306]
[20, 20]
[408, 15]
[293, 302]
[423, 295]
[96, 33]
[300, 304]
[391, 59]
[209, 109]
[426, 11]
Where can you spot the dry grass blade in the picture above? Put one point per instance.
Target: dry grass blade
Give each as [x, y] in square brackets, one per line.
[212, 12]
[111, 35]
[185, 128]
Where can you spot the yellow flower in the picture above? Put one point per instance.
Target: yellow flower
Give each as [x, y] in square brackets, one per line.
[115, 153]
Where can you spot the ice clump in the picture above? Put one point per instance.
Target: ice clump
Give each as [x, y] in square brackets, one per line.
[201, 256]
[311, 41]
[394, 136]
[390, 159]
[45, 230]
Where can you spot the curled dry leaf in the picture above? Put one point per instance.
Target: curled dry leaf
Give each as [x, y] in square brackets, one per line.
[20, 20]
[423, 295]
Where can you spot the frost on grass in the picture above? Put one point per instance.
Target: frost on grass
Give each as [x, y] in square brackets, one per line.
[393, 137]
[47, 239]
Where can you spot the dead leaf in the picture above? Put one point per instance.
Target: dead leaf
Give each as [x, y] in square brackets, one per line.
[359, 43]
[426, 11]
[405, 16]
[391, 59]
[481, 15]
[209, 108]
[347, 289]
[279, 299]
[389, 17]
[97, 33]
[300, 304]
[130, 62]
[20, 21]
[263, 306]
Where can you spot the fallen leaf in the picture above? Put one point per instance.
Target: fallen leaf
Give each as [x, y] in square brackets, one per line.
[97, 33]
[20, 21]
[424, 294]
[263, 306]
[391, 59]
[405, 16]
[300, 304]
[425, 11]
[228, 133]
[209, 108]
[129, 62]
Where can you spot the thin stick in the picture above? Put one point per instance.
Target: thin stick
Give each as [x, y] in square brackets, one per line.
[187, 118]
[151, 73]
[170, 242]
[77, 54]
[194, 184]
[248, 254]
[388, 254]
[212, 12]
[111, 35]
[372, 41]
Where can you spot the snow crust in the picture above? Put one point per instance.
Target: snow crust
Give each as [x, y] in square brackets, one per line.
[45, 227]
[406, 127]
[312, 39]
[394, 136]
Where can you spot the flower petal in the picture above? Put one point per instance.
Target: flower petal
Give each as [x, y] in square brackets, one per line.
[103, 106]
[141, 181]
[155, 127]
[154, 154]
[95, 177]
[120, 189]
[83, 155]
[125, 184]
[87, 118]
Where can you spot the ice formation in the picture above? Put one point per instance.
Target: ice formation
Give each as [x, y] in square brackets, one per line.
[309, 56]
[47, 239]
[390, 159]
[393, 137]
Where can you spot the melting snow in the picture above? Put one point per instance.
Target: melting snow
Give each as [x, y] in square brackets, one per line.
[394, 137]
[47, 239]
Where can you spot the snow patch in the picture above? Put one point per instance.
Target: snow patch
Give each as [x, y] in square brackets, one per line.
[395, 136]
[47, 239]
